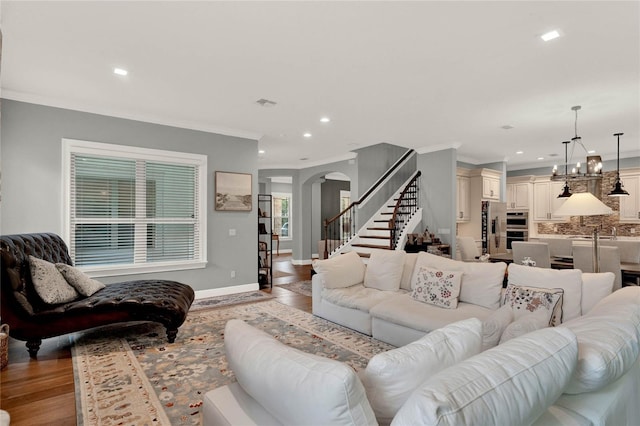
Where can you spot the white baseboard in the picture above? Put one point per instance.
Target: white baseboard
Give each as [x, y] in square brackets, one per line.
[301, 262]
[223, 291]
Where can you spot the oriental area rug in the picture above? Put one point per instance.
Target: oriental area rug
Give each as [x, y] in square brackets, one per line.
[300, 287]
[129, 374]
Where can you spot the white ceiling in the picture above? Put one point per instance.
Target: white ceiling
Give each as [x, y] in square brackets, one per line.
[423, 75]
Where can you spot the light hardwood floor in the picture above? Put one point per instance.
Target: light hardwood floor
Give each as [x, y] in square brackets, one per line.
[42, 392]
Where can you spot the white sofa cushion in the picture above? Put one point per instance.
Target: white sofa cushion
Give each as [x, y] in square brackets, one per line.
[357, 296]
[407, 271]
[341, 271]
[384, 269]
[390, 377]
[511, 384]
[293, 386]
[608, 342]
[405, 311]
[481, 282]
[437, 287]
[595, 287]
[527, 300]
[525, 324]
[570, 280]
[494, 326]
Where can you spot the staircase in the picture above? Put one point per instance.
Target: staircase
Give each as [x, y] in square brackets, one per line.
[387, 229]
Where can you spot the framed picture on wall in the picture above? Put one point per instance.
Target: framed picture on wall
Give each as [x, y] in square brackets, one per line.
[233, 191]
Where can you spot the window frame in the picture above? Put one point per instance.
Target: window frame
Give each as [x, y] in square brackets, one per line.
[74, 146]
[289, 196]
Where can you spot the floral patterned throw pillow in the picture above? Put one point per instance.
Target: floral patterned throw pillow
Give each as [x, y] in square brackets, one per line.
[437, 287]
[527, 300]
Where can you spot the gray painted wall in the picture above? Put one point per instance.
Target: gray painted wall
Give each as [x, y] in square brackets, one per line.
[330, 199]
[32, 181]
[373, 162]
[438, 193]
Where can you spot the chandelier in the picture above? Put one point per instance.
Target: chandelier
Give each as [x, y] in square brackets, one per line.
[592, 169]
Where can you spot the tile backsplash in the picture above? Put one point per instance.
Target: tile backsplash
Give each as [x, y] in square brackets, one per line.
[600, 189]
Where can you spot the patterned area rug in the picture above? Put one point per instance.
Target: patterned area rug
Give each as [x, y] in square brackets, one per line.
[230, 299]
[301, 287]
[131, 375]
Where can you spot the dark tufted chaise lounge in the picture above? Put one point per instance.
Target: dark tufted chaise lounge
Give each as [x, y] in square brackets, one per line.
[31, 320]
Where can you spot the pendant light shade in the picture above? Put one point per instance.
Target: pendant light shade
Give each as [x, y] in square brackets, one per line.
[618, 190]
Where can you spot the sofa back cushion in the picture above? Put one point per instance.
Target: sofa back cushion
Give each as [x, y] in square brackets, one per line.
[494, 326]
[595, 287]
[570, 280]
[608, 341]
[384, 269]
[512, 384]
[391, 377]
[481, 282]
[340, 271]
[407, 271]
[295, 387]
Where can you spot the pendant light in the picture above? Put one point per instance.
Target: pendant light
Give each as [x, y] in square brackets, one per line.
[565, 191]
[618, 190]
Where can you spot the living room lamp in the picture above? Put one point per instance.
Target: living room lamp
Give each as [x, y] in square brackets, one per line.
[586, 204]
[618, 190]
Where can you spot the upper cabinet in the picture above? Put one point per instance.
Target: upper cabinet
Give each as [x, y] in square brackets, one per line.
[491, 187]
[630, 205]
[519, 191]
[463, 186]
[546, 201]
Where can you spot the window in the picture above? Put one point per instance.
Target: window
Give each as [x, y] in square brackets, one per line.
[134, 210]
[282, 214]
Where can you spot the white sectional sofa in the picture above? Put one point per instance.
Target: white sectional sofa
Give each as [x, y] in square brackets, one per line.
[584, 372]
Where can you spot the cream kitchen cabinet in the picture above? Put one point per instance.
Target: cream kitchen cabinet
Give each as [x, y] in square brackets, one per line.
[546, 201]
[490, 188]
[518, 196]
[630, 204]
[463, 195]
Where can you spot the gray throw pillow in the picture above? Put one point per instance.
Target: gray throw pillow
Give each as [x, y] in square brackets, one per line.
[49, 282]
[85, 285]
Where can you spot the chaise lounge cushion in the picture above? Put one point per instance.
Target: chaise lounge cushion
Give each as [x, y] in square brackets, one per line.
[391, 377]
[512, 384]
[295, 387]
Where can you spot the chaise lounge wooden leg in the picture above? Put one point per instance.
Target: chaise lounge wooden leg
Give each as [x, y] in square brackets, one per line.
[171, 334]
[33, 346]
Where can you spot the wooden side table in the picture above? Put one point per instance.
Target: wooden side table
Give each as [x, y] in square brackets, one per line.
[276, 238]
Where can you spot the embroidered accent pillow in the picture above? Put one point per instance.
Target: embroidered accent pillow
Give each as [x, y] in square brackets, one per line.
[49, 282]
[85, 285]
[437, 287]
[527, 300]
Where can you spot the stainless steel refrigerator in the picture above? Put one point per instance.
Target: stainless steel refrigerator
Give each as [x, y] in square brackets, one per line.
[494, 227]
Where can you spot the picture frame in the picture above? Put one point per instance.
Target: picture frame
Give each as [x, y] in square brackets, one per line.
[233, 191]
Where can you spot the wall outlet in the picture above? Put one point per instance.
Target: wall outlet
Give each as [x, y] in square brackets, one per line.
[233, 274]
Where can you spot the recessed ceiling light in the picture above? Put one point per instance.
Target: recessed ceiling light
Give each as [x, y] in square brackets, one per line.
[591, 151]
[519, 152]
[325, 120]
[120, 71]
[540, 158]
[550, 35]
[261, 151]
[307, 135]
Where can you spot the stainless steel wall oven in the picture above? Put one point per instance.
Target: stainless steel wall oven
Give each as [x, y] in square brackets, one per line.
[517, 227]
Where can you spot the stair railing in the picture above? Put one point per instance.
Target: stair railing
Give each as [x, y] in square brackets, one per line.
[342, 227]
[407, 204]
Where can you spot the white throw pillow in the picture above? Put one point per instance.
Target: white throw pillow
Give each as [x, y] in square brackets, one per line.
[407, 271]
[437, 287]
[384, 270]
[526, 300]
[595, 287]
[512, 384]
[293, 386]
[525, 324]
[570, 280]
[83, 284]
[609, 345]
[49, 282]
[391, 377]
[494, 326]
[481, 283]
[340, 271]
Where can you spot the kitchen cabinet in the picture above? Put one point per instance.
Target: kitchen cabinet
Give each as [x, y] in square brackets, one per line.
[490, 188]
[630, 204]
[518, 196]
[546, 201]
[463, 196]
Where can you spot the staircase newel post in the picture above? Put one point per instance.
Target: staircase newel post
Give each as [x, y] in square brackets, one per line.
[326, 252]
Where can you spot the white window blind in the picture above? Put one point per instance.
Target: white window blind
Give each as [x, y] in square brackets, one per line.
[134, 210]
